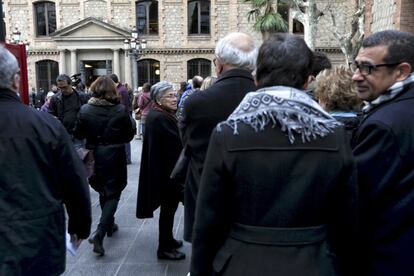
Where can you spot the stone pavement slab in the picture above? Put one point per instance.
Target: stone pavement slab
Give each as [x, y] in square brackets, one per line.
[132, 250]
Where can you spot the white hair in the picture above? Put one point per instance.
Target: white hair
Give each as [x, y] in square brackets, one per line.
[237, 49]
[8, 68]
[158, 90]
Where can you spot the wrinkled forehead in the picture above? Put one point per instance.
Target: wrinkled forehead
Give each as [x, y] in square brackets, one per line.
[373, 55]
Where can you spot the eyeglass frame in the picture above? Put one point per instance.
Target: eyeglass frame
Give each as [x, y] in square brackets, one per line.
[171, 96]
[369, 67]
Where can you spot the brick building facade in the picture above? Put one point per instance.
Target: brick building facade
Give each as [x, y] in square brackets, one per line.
[87, 37]
[389, 14]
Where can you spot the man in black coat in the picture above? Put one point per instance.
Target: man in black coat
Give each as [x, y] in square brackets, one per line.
[66, 104]
[384, 150]
[40, 170]
[235, 57]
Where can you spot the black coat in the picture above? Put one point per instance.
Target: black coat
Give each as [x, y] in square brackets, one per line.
[259, 179]
[40, 171]
[202, 112]
[384, 151]
[106, 129]
[160, 150]
[67, 112]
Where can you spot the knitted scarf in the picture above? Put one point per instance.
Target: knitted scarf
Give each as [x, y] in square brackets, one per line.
[390, 94]
[285, 107]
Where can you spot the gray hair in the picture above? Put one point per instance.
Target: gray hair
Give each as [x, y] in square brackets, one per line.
[237, 49]
[158, 90]
[8, 68]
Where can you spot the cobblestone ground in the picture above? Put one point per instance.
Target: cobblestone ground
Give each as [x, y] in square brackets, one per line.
[131, 250]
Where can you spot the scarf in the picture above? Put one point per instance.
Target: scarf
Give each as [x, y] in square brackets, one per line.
[99, 101]
[389, 94]
[160, 108]
[288, 108]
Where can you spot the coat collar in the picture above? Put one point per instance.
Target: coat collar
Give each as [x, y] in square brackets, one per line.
[9, 95]
[241, 73]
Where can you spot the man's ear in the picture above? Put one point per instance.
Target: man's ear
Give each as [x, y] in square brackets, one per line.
[16, 82]
[309, 80]
[404, 70]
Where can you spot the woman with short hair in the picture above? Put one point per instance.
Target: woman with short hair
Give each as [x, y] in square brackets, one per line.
[160, 150]
[106, 126]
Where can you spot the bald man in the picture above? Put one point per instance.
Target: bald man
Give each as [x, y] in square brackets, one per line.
[234, 60]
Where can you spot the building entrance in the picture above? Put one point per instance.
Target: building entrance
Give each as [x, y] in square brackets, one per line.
[92, 69]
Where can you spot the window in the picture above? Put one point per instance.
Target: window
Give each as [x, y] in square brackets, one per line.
[45, 18]
[46, 73]
[147, 17]
[148, 71]
[199, 17]
[199, 66]
[298, 27]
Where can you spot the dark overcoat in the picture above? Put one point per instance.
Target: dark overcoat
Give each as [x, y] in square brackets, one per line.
[106, 129]
[384, 151]
[259, 179]
[202, 112]
[40, 171]
[160, 150]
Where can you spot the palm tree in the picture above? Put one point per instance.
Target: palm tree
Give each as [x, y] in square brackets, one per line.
[267, 19]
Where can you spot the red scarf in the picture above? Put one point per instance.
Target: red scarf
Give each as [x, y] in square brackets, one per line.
[162, 109]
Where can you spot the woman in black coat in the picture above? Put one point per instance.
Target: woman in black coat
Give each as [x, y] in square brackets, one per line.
[160, 151]
[107, 126]
[278, 192]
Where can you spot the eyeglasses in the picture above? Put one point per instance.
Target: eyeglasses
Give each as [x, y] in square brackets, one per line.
[366, 68]
[171, 96]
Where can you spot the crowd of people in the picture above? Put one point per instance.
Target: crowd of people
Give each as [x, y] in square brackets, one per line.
[287, 164]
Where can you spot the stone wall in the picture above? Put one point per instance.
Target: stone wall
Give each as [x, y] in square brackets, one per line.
[226, 16]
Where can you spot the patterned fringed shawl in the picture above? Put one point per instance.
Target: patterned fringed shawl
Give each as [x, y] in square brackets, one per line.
[285, 107]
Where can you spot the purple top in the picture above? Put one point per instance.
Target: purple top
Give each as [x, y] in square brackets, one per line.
[123, 92]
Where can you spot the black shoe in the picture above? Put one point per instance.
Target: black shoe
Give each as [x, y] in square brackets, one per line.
[97, 241]
[112, 230]
[173, 255]
[177, 243]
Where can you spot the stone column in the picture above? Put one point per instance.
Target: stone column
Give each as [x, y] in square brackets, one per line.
[62, 62]
[134, 73]
[73, 62]
[115, 65]
[127, 65]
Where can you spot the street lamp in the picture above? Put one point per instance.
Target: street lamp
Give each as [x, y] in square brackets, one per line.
[16, 39]
[134, 49]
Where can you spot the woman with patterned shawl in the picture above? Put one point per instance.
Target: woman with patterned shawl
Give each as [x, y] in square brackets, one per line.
[278, 193]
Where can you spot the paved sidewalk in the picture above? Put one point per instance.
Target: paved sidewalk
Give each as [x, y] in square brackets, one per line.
[131, 250]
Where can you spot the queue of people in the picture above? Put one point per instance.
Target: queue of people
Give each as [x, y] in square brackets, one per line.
[291, 166]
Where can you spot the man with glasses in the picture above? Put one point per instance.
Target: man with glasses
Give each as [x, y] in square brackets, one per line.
[65, 104]
[383, 146]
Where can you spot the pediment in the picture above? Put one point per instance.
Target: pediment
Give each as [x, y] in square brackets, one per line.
[90, 29]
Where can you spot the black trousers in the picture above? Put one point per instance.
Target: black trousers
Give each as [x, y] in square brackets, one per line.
[168, 208]
[108, 207]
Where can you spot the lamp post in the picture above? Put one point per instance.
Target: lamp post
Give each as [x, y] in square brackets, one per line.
[134, 49]
[16, 39]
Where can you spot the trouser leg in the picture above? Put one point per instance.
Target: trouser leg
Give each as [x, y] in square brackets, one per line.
[108, 207]
[166, 224]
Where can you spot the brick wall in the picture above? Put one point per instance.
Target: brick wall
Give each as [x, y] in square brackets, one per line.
[407, 16]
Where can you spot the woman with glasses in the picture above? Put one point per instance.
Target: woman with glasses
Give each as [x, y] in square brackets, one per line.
[160, 150]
